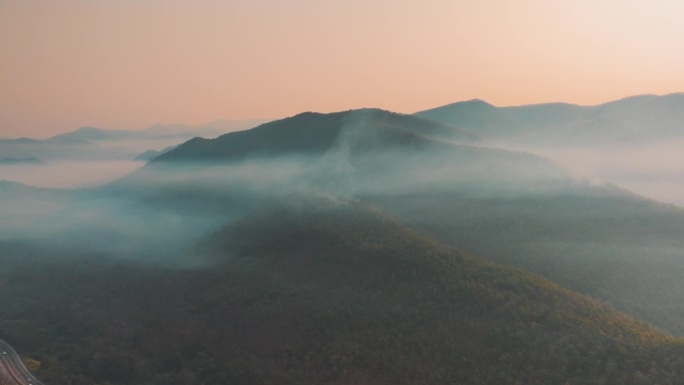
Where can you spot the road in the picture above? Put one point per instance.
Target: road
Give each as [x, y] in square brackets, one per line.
[12, 369]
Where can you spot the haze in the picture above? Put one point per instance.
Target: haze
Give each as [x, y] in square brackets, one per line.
[347, 206]
[652, 170]
[131, 64]
[339, 192]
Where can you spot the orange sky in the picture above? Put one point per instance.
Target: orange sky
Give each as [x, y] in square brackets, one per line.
[134, 63]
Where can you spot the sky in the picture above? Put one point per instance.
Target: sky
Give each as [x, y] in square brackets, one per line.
[129, 64]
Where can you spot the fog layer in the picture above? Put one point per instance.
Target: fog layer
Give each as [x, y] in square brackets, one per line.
[68, 174]
[654, 170]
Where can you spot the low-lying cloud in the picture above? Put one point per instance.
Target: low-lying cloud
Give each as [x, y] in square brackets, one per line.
[68, 174]
[654, 170]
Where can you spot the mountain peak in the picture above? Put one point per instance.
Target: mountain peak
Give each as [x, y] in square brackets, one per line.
[470, 114]
[470, 104]
[477, 101]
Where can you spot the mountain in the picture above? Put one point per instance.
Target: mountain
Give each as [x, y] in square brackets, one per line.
[313, 133]
[318, 291]
[91, 134]
[622, 249]
[509, 207]
[348, 152]
[363, 145]
[630, 120]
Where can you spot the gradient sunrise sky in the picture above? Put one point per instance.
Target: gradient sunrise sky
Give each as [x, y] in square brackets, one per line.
[133, 63]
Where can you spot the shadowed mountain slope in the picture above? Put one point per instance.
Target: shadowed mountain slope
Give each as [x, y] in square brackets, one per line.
[350, 152]
[313, 133]
[374, 144]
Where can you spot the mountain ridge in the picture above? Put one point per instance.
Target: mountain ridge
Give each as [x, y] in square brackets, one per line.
[650, 117]
[311, 133]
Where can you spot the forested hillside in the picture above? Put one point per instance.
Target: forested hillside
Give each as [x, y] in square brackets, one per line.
[319, 291]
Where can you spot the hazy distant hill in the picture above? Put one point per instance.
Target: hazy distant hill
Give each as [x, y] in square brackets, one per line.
[78, 148]
[90, 143]
[57, 149]
[634, 119]
[319, 292]
[160, 131]
[154, 132]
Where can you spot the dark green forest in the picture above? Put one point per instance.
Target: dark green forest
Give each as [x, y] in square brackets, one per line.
[318, 292]
[623, 250]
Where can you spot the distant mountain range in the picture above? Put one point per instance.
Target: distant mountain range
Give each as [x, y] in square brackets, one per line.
[58, 149]
[159, 131]
[631, 120]
[90, 143]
